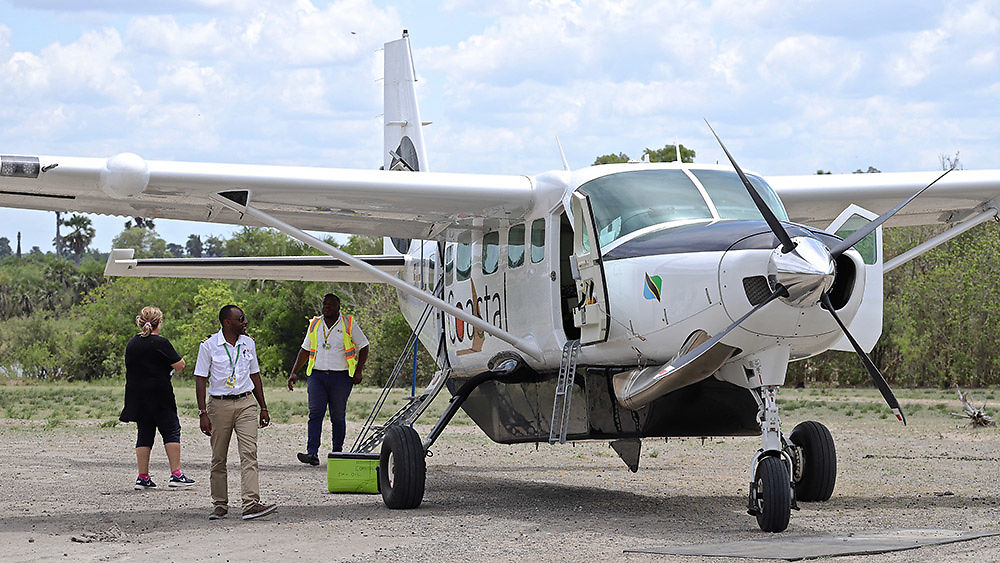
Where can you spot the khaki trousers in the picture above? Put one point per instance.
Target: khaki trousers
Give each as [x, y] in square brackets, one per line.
[239, 415]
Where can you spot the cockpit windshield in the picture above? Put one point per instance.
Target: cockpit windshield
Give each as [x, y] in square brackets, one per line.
[626, 202]
[731, 197]
[629, 201]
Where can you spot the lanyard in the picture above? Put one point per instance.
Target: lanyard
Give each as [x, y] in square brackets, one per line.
[232, 363]
[327, 333]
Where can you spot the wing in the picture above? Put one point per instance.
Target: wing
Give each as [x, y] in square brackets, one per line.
[818, 199]
[300, 268]
[373, 202]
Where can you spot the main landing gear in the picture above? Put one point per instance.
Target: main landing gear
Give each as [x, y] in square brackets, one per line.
[785, 470]
[402, 469]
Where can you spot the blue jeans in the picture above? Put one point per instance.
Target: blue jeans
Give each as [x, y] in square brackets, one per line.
[328, 390]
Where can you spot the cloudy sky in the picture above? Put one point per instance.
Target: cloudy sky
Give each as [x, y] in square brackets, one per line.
[791, 86]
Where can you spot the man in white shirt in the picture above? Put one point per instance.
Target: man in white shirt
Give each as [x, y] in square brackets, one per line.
[227, 366]
[336, 351]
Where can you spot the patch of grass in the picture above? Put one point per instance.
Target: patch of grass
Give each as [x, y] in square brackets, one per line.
[63, 400]
[110, 423]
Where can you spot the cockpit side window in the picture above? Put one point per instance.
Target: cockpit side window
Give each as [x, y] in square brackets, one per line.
[731, 198]
[865, 246]
[537, 240]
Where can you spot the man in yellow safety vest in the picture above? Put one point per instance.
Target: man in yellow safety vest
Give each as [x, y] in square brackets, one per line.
[336, 351]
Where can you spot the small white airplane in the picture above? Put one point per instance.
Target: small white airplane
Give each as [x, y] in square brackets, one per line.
[613, 302]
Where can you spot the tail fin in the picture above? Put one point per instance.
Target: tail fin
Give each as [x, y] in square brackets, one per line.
[403, 135]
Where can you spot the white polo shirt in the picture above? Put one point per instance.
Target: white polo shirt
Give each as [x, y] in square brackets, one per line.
[227, 367]
[334, 357]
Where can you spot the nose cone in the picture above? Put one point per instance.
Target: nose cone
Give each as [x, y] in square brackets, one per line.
[806, 272]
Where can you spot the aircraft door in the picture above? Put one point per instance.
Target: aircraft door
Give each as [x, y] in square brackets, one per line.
[590, 312]
[867, 324]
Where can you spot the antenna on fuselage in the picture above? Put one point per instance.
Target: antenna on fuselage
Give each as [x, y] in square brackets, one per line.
[677, 145]
[562, 154]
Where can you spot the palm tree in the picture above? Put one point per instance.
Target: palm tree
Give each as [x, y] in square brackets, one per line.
[79, 238]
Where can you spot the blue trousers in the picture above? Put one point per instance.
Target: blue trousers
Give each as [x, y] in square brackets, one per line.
[328, 390]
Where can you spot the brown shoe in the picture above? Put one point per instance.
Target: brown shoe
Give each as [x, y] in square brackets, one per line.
[218, 513]
[257, 510]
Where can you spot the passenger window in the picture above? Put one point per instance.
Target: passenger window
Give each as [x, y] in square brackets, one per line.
[515, 246]
[491, 252]
[537, 240]
[449, 264]
[432, 281]
[463, 261]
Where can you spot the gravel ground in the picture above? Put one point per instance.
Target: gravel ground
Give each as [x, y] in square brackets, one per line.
[67, 494]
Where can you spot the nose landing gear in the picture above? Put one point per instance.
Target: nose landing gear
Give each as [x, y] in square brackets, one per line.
[785, 470]
[771, 495]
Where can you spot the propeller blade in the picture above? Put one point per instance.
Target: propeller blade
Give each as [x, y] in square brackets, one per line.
[708, 344]
[867, 229]
[873, 371]
[772, 220]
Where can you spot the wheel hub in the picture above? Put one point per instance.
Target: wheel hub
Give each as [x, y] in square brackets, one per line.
[389, 464]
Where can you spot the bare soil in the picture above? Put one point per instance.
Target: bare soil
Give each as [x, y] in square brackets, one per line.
[66, 494]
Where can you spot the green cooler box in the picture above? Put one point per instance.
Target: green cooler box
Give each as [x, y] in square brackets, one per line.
[352, 472]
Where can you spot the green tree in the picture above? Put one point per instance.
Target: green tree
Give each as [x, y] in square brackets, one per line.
[213, 246]
[175, 249]
[80, 237]
[871, 170]
[259, 241]
[669, 154]
[147, 243]
[5, 247]
[362, 244]
[106, 321]
[611, 159]
[193, 246]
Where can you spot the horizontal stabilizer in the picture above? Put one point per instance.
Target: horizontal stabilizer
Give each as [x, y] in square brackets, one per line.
[298, 268]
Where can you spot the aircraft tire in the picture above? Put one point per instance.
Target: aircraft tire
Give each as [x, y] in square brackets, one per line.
[774, 495]
[402, 469]
[818, 475]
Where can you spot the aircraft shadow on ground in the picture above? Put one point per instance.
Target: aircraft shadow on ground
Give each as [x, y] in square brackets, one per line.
[464, 493]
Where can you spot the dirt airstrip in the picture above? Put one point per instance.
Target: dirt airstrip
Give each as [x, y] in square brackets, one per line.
[66, 493]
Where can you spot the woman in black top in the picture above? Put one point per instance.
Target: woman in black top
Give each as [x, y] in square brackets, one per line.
[149, 397]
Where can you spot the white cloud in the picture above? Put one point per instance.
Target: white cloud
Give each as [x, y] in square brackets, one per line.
[163, 36]
[188, 80]
[91, 65]
[303, 91]
[809, 61]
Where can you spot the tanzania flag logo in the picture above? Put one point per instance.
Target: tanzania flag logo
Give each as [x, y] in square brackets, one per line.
[653, 287]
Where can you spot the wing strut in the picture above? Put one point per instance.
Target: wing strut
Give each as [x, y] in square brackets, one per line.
[526, 346]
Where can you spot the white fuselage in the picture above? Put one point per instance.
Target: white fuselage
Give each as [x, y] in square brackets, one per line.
[517, 276]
